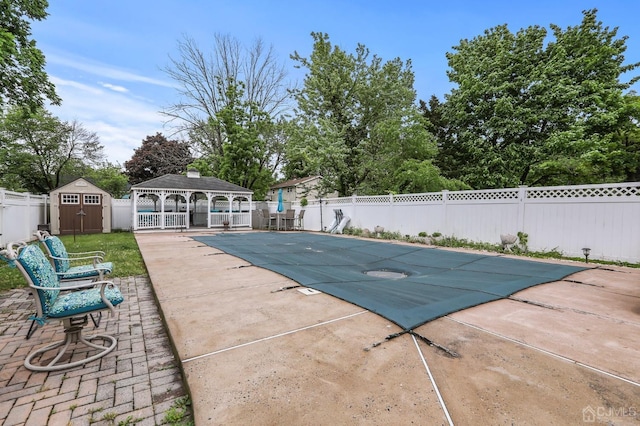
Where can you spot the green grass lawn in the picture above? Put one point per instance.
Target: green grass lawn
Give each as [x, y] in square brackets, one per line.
[120, 248]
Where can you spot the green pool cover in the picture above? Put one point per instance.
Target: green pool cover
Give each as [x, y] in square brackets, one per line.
[433, 283]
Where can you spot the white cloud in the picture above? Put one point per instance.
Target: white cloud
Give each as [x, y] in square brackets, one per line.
[103, 70]
[120, 119]
[114, 87]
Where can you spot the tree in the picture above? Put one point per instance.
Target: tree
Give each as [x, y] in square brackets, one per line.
[39, 150]
[415, 176]
[110, 178]
[435, 114]
[246, 130]
[626, 141]
[156, 157]
[356, 121]
[205, 82]
[23, 81]
[528, 113]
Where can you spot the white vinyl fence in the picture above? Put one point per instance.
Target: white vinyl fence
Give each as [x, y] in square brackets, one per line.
[121, 214]
[20, 215]
[605, 218]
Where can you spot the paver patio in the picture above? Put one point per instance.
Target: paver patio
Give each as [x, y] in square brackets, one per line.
[139, 382]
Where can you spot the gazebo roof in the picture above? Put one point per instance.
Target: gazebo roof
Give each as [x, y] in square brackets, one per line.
[182, 182]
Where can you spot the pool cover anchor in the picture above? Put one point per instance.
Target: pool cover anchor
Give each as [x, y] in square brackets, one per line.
[285, 288]
[386, 339]
[239, 266]
[451, 353]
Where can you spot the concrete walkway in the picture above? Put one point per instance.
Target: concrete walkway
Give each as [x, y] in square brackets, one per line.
[255, 352]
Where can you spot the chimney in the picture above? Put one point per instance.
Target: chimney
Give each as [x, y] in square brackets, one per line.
[193, 173]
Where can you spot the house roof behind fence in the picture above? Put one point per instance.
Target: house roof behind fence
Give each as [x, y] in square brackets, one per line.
[294, 182]
[207, 183]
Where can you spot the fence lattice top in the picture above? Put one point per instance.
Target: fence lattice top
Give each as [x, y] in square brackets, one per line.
[584, 192]
[500, 194]
[608, 192]
[418, 198]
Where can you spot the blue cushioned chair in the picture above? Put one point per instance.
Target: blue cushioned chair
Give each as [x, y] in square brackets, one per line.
[70, 307]
[66, 267]
[65, 263]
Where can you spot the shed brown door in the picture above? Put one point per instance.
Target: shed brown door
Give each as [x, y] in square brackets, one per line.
[80, 213]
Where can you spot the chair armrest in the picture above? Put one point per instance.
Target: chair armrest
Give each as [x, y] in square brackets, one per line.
[103, 287]
[78, 286]
[94, 259]
[95, 268]
[86, 285]
[101, 270]
[77, 257]
[97, 253]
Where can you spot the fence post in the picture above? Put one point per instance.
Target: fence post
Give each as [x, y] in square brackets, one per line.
[522, 193]
[2, 207]
[133, 214]
[27, 223]
[445, 199]
[392, 212]
[46, 211]
[354, 199]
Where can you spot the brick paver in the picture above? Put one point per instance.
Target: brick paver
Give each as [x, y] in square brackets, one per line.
[123, 386]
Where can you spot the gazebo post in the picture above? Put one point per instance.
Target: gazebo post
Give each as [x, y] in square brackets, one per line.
[187, 199]
[134, 200]
[209, 196]
[230, 198]
[162, 196]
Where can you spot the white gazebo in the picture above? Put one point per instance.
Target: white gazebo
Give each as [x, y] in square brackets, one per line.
[182, 202]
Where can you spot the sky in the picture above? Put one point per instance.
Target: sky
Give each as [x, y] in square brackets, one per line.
[107, 58]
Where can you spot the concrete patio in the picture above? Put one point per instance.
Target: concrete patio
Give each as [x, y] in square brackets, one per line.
[560, 353]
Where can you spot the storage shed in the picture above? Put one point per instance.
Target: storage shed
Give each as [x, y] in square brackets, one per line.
[80, 207]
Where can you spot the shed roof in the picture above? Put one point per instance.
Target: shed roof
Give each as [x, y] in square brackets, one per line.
[207, 183]
[77, 182]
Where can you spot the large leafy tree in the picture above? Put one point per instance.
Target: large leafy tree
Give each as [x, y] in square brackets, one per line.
[248, 132]
[529, 112]
[625, 149]
[356, 122]
[157, 156]
[447, 159]
[207, 84]
[109, 177]
[23, 81]
[39, 150]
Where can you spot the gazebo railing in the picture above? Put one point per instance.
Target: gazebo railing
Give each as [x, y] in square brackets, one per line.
[148, 220]
[175, 220]
[242, 219]
[234, 219]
